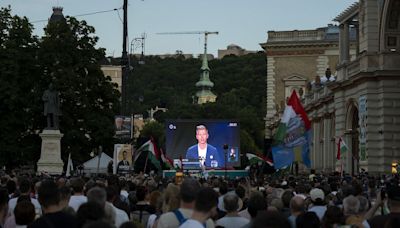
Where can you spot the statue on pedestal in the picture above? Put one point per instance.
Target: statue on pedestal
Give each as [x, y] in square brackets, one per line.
[51, 107]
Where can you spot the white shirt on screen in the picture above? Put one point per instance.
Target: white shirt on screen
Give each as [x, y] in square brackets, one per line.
[202, 155]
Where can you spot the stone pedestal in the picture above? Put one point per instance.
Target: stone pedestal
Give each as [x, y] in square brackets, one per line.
[50, 157]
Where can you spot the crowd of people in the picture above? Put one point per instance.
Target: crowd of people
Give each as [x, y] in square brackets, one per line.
[140, 200]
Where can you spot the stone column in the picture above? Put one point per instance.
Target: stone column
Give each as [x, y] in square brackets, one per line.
[340, 119]
[357, 27]
[271, 106]
[346, 45]
[347, 156]
[327, 152]
[341, 43]
[316, 151]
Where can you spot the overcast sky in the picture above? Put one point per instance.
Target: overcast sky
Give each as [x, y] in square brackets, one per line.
[241, 22]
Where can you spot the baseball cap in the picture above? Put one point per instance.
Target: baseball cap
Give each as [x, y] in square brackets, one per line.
[317, 193]
[221, 204]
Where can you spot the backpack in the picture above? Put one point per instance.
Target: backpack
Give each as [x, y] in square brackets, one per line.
[179, 216]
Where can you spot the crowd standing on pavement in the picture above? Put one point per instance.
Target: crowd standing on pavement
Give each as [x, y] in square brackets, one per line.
[150, 201]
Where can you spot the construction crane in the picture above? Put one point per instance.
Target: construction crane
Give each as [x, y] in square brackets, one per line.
[206, 33]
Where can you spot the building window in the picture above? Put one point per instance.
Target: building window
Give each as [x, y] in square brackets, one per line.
[295, 83]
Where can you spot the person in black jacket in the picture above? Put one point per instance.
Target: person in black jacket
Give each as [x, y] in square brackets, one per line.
[49, 199]
[3, 205]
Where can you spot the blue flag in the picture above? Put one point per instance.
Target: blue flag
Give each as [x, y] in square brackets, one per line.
[283, 156]
[305, 153]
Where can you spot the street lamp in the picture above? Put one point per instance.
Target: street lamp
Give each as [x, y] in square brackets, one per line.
[139, 42]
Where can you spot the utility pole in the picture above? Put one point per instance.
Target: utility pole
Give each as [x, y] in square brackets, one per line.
[124, 61]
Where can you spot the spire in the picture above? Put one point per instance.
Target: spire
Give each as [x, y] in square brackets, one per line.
[205, 95]
[204, 65]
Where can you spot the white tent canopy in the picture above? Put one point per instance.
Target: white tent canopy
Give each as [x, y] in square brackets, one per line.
[91, 165]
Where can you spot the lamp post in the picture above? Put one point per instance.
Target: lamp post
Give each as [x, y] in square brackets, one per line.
[124, 60]
[139, 42]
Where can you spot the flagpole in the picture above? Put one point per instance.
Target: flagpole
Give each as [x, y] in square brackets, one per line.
[145, 164]
[341, 167]
[180, 159]
[99, 151]
[68, 171]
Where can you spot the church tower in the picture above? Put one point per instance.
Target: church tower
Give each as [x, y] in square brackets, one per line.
[205, 95]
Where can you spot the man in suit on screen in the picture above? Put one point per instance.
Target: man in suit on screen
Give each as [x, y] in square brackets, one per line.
[207, 155]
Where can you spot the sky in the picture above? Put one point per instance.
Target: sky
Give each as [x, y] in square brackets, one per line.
[241, 22]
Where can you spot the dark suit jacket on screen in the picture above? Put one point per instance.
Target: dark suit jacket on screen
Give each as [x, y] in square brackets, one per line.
[212, 154]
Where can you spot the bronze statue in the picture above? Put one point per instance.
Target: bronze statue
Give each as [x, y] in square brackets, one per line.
[51, 107]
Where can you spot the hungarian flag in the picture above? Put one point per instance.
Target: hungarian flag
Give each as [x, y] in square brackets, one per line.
[293, 109]
[254, 159]
[341, 147]
[153, 154]
[167, 161]
[293, 135]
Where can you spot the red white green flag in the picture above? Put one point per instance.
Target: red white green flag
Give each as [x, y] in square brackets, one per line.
[153, 154]
[254, 159]
[293, 135]
[293, 109]
[167, 161]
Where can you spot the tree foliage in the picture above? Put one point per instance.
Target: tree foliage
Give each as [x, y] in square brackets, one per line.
[18, 71]
[239, 85]
[66, 56]
[70, 60]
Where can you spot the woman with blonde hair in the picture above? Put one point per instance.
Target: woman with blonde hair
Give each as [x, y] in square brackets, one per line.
[171, 198]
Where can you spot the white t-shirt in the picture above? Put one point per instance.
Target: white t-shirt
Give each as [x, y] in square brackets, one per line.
[124, 193]
[232, 221]
[245, 214]
[76, 201]
[152, 219]
[120, 215]
[169, 220]
[190, 223]
[202, 154]
[319, 210]
[366, 224]
[13, 202]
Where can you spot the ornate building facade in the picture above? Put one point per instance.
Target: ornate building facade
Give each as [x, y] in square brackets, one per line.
[294, 59]
[363, 104]
[115, 72]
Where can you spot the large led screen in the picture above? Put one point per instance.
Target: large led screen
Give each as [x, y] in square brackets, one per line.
[211, 142]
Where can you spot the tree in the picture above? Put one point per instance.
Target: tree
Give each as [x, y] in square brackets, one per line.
[239, 85]
[154, 130]
[70, 60]
[18, 97]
